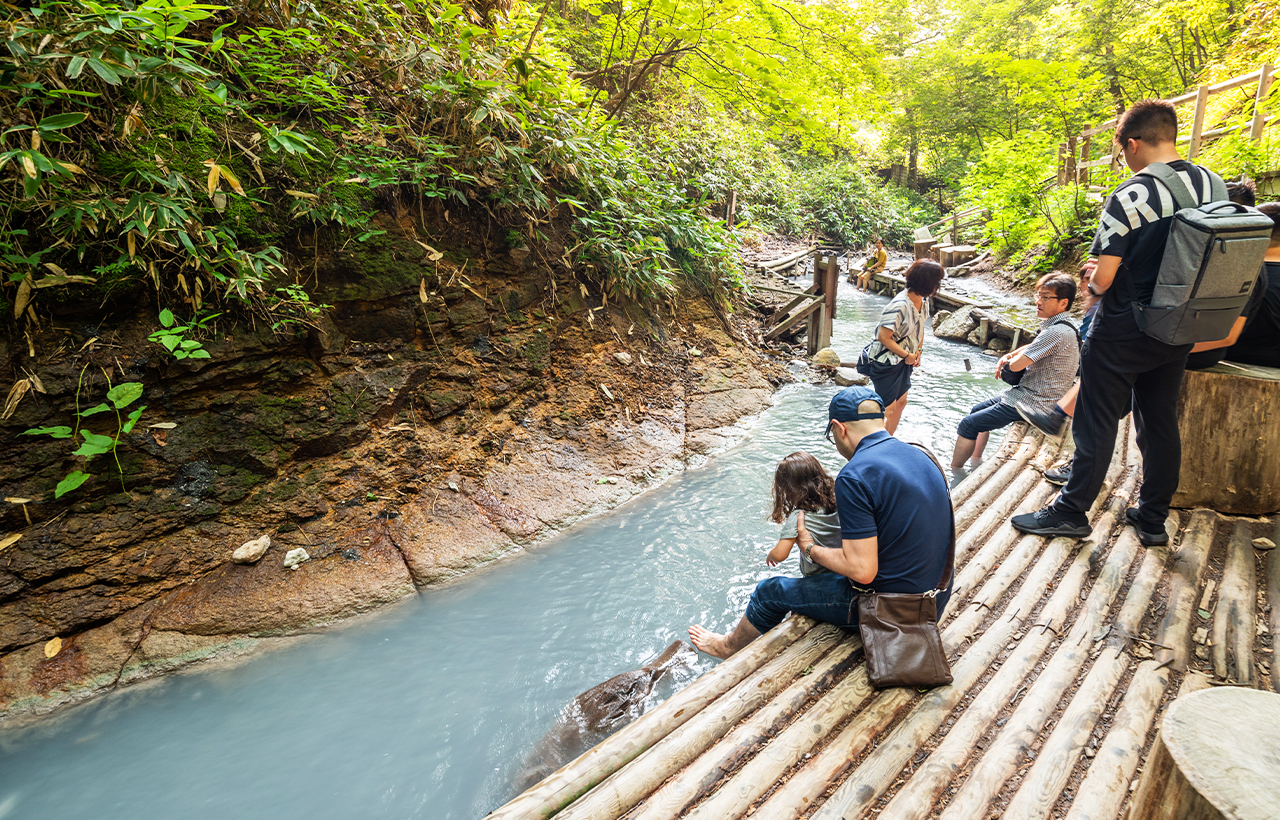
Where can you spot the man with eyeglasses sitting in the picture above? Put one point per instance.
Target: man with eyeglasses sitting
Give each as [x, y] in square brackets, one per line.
[895, 531]
[1040, 372]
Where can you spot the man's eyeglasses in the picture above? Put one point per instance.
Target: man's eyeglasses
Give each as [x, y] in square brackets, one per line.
[1045, 297]
[827, 435]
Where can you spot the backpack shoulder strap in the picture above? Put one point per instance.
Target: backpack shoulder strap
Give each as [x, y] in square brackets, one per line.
[1170, 179]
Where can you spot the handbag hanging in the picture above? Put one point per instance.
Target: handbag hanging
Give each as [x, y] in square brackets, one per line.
[900, 629]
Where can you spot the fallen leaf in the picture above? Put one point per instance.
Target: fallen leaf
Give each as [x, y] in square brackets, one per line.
[162, 425]
[161, 437]
[53, 647]
[23, 298]
[13, 500]
[1203, 613]
[301, 194]
[9, 540]
[422, 291]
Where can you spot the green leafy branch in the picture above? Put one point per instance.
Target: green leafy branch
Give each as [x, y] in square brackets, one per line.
[118, 398]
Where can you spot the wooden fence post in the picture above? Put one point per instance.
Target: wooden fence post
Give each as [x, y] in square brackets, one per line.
[1197, 121]
[1062, 163]
[730, 210]
[1082, 174]
[1070, 170]
[1264, 87]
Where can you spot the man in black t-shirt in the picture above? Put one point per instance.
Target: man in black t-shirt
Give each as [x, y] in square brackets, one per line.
[1118, 360]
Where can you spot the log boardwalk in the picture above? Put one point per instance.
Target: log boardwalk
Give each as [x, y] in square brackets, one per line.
[1065, 653]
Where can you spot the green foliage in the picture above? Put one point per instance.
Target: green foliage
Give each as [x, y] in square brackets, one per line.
[172, 335]
[93, 444]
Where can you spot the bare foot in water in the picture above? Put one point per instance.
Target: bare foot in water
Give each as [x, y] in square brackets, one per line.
[710, 642]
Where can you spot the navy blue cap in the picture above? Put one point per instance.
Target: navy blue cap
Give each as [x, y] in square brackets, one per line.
[844, 405]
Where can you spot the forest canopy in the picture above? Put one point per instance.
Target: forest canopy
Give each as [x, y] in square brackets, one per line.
[209, 151]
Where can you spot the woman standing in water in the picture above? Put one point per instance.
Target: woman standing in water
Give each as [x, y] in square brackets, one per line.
[899, 341]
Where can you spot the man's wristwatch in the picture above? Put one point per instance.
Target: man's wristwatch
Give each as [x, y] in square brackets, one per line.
[1089, 287]
[808, 552]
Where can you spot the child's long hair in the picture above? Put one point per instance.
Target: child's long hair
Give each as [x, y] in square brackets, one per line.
[800, 483]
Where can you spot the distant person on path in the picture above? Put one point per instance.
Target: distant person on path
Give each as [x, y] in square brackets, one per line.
[899, 341]
[1119, 362]
[874, 265]
[1048, 365]
[895, 530]
[804, 495]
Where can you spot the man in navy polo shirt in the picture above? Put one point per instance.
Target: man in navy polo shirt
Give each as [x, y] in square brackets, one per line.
[895, 530]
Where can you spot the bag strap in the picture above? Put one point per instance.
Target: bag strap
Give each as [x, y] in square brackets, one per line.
[1169, 178]
[951, 549]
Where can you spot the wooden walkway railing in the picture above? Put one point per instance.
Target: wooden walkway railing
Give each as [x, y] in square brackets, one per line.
[1075, 156]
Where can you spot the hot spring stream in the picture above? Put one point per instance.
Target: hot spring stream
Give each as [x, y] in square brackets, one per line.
[425, 710]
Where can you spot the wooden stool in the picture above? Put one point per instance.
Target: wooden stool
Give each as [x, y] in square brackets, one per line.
[1216, 757]
[1229, 417]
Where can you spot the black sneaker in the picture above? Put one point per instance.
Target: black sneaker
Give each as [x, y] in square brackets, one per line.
[1051, 424]
[1059, 475]
[1049, 522]
[1146, 536]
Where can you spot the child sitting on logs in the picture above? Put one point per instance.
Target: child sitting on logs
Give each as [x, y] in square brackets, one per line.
[804, 495]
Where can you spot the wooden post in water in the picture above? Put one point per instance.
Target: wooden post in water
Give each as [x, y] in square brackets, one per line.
[1215, 758]
[826, 279]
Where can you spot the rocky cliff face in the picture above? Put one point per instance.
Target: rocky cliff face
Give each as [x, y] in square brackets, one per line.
[439, 417]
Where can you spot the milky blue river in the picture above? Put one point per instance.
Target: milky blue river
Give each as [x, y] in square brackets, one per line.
[425, 710]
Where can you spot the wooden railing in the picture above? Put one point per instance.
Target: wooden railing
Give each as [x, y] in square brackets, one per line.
[960, 220]
[1075, 155]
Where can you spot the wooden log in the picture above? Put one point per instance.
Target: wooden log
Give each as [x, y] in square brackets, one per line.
[1184, 587]
[786, 749]
[1043, 785]
[1229, 417]
[1106, 785]
[997, 515]
[560, 788]
[639, 778]
[788, 260]
[796, 318]
[1001, 758]
[1273, 596]
[705, 772]
[1233, 618]
[983, 496]
[875, 775]
[1197, 122]
[1215, 757]
[979, 566]
[919, 794]
[826, 767]
[921, 249]
[1019, 435]
[1265, 77]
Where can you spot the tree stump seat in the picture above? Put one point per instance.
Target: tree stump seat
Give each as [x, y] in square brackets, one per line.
[1216, 757]
[1229, 417]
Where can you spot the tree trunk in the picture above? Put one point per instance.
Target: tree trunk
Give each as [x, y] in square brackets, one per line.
[1215, 758]
[1229, 417]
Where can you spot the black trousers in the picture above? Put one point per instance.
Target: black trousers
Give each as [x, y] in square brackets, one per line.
[1113, 373]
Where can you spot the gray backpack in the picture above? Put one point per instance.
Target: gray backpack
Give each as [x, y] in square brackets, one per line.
[1210, 264]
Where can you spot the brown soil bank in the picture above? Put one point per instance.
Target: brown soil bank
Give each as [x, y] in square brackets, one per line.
[401, 443]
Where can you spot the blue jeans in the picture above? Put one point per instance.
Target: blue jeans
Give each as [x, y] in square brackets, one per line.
[826, 597]
[986, 416]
